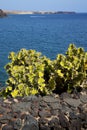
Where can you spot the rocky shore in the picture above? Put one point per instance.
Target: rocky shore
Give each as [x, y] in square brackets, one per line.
[2, 13]
[53, 112]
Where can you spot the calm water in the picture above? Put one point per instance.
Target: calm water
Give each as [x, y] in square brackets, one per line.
[49, 34]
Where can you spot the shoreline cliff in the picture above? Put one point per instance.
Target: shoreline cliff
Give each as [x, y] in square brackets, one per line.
[2, 13]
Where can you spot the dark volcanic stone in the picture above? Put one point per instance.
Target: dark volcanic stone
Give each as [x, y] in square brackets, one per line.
[72, 102]
[65, 109]
[43, 104]
[72, 115]
[65, 95]
[75, 125]
[34, 112]
[84, 107]
[7, 127]
[66, 112]
[42, 121]
[26, 127]
[30, 122]
[17, 124]
[54, 112]
[22, 106]
[54, 123]
[4, 119]
[63, 120]
[50, 99]
[45, 113]
[85, 124]
[83, 98]
[44, 127]
[82, 116]
[30, 98]
[30, 127]
[35, 108]
[55, 106]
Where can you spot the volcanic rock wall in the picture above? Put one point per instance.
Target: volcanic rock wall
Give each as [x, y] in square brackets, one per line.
[53, 112]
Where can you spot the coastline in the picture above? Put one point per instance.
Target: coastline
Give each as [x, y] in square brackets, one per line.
[39, 12]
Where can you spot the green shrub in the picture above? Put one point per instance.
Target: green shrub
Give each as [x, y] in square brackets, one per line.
[29, 73]
[70, 69]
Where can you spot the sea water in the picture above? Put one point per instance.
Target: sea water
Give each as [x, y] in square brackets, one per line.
[48, 34]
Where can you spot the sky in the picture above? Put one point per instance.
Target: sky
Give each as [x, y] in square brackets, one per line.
[44, 5]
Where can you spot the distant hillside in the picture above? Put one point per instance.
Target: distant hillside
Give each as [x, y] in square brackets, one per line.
[2, 13]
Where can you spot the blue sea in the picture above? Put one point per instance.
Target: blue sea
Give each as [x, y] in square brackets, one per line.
[49, 34]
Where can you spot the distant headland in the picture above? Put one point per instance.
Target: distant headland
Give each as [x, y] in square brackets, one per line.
[2, 13]
[40, 12]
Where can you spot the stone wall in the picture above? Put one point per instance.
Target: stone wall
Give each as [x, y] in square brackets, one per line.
[53, 112]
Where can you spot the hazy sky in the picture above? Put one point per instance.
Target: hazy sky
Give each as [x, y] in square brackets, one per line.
[45, 5]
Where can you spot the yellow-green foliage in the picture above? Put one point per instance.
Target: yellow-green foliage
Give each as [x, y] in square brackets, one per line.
[31, 73]
[70, 69]
[27, 74]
